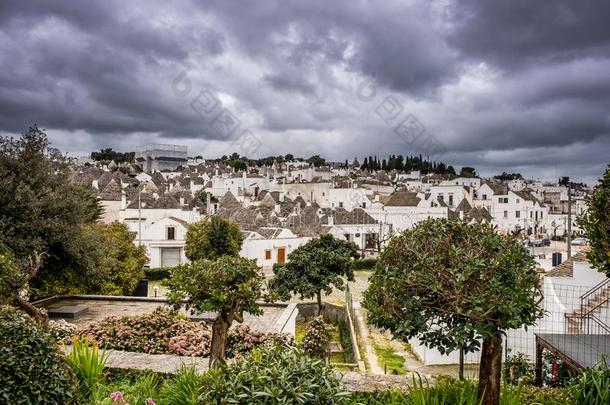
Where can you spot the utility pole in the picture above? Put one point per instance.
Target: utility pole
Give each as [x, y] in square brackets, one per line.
[569, 219]
[140, 217]
[565, 181]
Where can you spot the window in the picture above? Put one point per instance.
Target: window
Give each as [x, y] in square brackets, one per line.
[505, 214]
[363, 205]
[517, 214]
[485, 196]
[340, 204]
[517, 201]
[451, 199]
[171, 233]
[503, 200]
[267, 254]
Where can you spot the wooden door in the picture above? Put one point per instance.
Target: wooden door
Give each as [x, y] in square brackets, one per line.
[281, 255]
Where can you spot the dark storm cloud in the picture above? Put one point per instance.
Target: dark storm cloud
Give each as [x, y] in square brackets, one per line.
[499, 83]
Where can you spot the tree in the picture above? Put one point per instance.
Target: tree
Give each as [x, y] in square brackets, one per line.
[468, 171]
[596, 224]
[227, 285]
[455, 285]
[14, 278]
[213, 238]
[289, 157]
[41, 212]
[119, 264]
[319, 265]
[316, 160]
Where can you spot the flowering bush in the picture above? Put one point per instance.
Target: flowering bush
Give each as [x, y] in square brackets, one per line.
[317, 339]
[242, 339]
[62, 330]
[517, 369]
[164, 331]
[191, 339]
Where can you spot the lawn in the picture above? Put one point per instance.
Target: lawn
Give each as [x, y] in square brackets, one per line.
[387, 358]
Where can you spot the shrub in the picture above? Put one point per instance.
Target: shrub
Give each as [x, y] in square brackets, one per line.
[185, 388]
[191, 339]
[164, 331]
[88, 365]
[158, 273]
[242, 340]
[593, 386]
[139, 391]
[273, 375]
[517, 369]
[365, 264]
[151, 333]
[31, 369]
[317, 339]
[62, 330]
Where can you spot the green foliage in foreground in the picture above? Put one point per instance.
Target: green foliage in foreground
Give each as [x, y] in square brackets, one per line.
[596, 224]
[268, 375]
[449, 391]
[593, 386]
[87, 362]
[31, 370]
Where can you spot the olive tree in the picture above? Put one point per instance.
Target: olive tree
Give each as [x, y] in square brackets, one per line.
[456, 285]
[596, 224]
[212, 238]
[14, 278]
[317, 266]
[228, 286]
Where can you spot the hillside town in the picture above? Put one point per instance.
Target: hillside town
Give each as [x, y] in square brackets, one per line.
[304, 202]
[281, 206]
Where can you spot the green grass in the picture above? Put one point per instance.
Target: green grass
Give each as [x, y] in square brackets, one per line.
[386, 357]
[300, 331]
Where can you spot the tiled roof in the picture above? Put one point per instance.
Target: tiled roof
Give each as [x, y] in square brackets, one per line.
[402, 199]
[566, 269]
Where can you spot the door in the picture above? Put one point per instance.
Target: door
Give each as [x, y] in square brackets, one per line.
[281, 255]
[170, 257]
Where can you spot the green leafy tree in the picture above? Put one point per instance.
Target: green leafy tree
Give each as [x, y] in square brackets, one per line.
[316, 160]
[227, 285]
[41, 213]
[455, 285]
[596, 224]
[315, 267]
[119, 263]
[468, 171]
[213, 238]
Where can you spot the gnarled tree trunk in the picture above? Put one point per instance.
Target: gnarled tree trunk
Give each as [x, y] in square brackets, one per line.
[40, 317]
[490, 370]
[220, 333]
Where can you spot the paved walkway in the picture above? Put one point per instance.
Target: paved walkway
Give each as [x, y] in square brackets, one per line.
[363, 332]
[159, 363]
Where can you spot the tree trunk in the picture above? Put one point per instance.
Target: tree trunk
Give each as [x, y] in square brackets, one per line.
[319, 295]
[490, 370]
[220, 329]
[40, 317]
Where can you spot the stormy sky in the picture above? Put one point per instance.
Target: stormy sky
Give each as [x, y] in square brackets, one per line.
[503, 85]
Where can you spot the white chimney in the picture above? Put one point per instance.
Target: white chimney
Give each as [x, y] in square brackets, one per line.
[331, 220]
[95, 185]
[181, 200]
[208, 204]
[192, 184]
[281, 196]
[277, 208]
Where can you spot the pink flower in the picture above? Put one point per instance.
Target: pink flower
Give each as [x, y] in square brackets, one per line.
[150, 401]
[117, 396]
